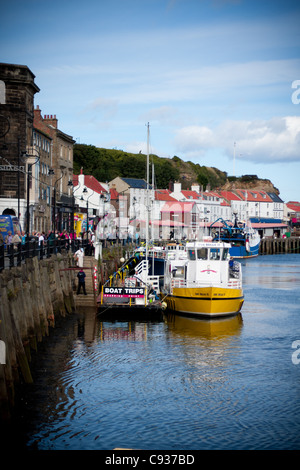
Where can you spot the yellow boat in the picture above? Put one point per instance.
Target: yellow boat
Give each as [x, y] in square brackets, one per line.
[206, 284]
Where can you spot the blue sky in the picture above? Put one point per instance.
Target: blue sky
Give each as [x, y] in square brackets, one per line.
[203, 73]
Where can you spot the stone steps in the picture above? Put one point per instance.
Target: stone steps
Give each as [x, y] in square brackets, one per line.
[88, 300]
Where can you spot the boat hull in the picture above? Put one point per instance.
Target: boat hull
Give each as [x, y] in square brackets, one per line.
[206, 301]
[240, 251]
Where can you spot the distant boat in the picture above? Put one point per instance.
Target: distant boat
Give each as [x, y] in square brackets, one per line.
[205, 284]
[244, 239]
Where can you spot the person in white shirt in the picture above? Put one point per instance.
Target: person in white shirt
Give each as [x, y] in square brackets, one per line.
[41, 239]
[78, 255]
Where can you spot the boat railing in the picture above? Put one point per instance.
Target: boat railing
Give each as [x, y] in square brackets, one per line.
[154, 281]
[232, 284]
[178, 283]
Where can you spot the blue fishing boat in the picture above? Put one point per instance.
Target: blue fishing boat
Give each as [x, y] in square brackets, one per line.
[244, 239]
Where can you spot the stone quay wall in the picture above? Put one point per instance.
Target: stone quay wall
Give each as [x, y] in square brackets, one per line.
[32, 296]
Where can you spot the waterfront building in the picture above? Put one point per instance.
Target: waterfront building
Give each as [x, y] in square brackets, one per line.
[36, 157]
[61, 166]
[17, 90]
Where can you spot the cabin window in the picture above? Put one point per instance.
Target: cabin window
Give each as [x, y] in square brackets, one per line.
[215, 253]
[225, 254]
[202, 253]
[192, 254]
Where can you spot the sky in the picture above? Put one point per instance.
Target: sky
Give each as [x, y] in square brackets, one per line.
[218, 81]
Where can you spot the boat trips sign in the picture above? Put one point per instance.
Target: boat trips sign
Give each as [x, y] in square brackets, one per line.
[123, 292]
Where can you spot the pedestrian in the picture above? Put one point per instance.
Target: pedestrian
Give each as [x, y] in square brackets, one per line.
[23, 236]
[78, 256]
[92, 244]
[16, 239]
[81, 281]
[41, 238]
[8, 240]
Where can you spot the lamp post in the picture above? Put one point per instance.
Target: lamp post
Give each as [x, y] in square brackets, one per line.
[29, 167]
[70, 183]
[51, 173]
[54, 200]
[85, 191]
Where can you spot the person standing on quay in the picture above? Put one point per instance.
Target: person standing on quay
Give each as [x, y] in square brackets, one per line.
[8, 240]
[81, 281]
[78, 256]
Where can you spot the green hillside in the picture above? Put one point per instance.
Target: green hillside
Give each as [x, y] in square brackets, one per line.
[106, 164]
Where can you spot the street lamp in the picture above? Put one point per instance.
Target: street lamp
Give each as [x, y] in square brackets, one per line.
[51, 172]
[85, 191]
[70, 183]
[29, 167]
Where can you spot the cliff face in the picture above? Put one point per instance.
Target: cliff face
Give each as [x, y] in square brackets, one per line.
[257, 185]
[214, 178]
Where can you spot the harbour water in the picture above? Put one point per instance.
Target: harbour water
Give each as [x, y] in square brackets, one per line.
[178, 384]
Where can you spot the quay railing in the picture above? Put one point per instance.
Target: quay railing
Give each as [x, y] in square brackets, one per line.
[15, 255]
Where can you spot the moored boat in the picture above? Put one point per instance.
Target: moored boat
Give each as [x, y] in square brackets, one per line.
[244, 239]
[206, 284]
[131, 292]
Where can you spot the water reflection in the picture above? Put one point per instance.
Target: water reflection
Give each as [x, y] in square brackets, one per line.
[209, 348]
[210, 329]
[180, 383]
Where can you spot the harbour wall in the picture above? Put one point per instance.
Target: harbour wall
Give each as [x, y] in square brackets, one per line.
[32, 297]
[273, 246]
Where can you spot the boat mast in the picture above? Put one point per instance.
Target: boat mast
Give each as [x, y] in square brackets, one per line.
[147, 196]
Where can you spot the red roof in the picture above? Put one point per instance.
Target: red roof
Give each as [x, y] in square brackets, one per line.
[163, 195]
[293, 206]
[189, 194]
[266, 225]
[229, 195]
[91, 182]
[253, 196]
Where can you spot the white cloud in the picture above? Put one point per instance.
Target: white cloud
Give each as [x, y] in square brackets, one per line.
[107, 107]
[261, 141]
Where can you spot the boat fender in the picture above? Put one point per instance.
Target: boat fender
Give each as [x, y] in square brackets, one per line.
[247, 245]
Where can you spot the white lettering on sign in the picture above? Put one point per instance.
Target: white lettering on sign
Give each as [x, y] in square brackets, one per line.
[123, 292]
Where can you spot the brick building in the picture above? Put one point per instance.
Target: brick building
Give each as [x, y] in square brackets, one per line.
[34, 154]
[17, 90]
[61, 162]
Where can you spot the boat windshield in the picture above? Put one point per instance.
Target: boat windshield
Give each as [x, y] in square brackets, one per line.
[192, 254]
[202, 253]
[215, 253]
